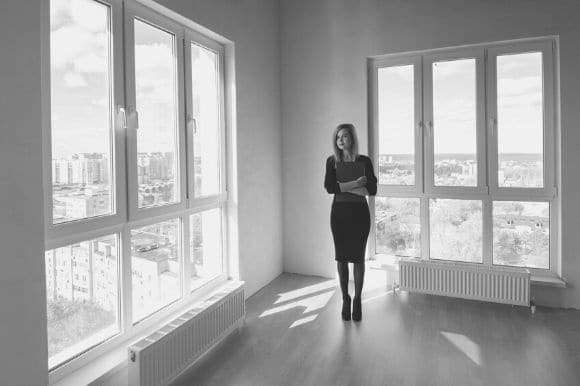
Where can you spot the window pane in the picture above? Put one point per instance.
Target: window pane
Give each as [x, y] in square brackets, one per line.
[520, 120]
[206, 112]
[156, 93]
[398, 226]
[155, 255]
[396, 107]
[454, 122]
[206, 246]
[521, 235]
[81, 116]
[456, 230]
[82, 297]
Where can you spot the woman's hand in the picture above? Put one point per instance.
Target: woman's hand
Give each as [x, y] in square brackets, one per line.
[361, 181]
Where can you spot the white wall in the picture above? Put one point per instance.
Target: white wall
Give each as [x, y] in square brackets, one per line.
[23, 349]
[323, 50]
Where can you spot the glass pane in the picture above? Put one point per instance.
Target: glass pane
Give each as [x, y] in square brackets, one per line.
[81, 100]
[82, 297]
[521, 234]
[156, 93]
[454, 123]
[206, 112]
[456, 230]
[398, 226]
[206, 246]
[155, 255]
[520, 137]
[396, 116]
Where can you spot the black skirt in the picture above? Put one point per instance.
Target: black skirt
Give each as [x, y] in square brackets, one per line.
[350, 223]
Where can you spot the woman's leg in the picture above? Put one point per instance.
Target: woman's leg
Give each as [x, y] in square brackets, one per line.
[359, 275]
[343, 278]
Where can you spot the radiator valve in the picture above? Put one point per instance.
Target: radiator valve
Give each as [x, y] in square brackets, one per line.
[533, 305]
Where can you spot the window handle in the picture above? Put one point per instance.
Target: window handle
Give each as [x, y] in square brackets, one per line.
[122, 115]
[136, 114]
[430, 128]
[492, 125]
[192, 123]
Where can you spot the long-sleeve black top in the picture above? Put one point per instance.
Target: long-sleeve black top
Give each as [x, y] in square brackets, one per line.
[331, 184]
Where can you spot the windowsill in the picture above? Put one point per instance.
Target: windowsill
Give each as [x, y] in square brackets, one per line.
[115, 359]
[548, 281]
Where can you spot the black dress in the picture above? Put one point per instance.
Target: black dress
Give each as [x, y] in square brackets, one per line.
[350, 221]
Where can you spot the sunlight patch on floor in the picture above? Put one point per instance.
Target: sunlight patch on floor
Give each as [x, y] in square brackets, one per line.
[305, 320]
[309, 304]
[286, 296]
[465, 345]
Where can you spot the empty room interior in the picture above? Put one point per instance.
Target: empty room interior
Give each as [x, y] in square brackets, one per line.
[166, 215]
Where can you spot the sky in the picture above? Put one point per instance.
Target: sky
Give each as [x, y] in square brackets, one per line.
[454, 88]
[81, 87]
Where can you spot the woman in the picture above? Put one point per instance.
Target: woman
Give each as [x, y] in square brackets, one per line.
[349, 217]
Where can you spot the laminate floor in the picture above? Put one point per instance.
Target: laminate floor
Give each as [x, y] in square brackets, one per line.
[294, 336]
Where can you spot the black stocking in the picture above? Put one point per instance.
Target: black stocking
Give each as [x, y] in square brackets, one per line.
[343, 277]
[359, 275]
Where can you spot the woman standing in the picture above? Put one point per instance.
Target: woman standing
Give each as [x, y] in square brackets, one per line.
[349, 217]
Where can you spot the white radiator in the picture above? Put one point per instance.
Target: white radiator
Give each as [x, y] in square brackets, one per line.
[467, 282]
[160, 357]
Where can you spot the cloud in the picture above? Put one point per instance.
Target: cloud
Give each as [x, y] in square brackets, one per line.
[73, 79]
[519, 86]
[91, 14]
[530, 101]
[74, 46]
[154, 65]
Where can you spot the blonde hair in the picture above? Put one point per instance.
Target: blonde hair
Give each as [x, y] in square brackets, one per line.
[338, 154]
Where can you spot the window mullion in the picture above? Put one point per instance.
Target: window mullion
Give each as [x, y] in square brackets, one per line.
[425, 229]
[487, 232]
[186, 255]
[126, 281]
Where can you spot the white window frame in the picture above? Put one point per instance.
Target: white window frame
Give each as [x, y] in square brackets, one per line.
[216, 201]
[118, 177]
[429, 178]
[126, 215]
[136, 11]
[374, 66]
[487, 190]
[547, 48]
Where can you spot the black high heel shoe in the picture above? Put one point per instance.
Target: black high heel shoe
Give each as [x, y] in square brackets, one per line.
[356, 309]
[346, 308]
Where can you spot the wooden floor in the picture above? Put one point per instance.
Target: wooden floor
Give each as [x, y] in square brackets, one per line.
[294, 336]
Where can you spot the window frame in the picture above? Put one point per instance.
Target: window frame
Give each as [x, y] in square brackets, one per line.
[118, 169]
[126, 216]
[429, 140]
[132, 12]
[547, 48]
[487, 191]
[193, 37]
[374, 145]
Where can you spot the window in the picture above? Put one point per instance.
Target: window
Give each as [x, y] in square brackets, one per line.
[82, 110]
[137, 202]
[82, 296]
[464, 140]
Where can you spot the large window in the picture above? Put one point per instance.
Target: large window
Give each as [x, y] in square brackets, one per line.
[464, 139]
[137, 199]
